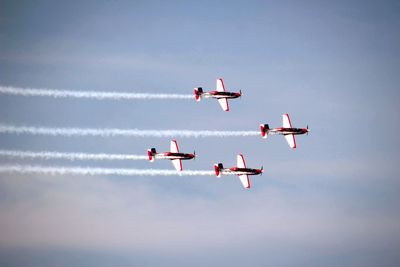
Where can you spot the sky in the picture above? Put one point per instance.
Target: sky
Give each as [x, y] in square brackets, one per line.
[332, 65]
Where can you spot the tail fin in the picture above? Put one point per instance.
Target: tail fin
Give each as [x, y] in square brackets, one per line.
[264, 130]
[198, 91]
[217, 169]
[151, 152]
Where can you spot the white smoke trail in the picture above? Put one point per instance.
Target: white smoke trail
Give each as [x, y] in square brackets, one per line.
[88, 94]
[110, 132]
[69, 156]
[58, 170]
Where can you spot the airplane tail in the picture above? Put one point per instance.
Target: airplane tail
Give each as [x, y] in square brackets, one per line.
[198, 91]
[264, 130]
[217, 168]
[151, 152]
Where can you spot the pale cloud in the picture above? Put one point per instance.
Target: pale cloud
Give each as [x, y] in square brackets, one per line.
[98, 213]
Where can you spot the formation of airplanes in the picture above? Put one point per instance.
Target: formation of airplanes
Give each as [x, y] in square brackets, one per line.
[176, 158]
[241, 170]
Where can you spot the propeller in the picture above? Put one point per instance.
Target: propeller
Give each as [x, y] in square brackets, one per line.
[240, 91]
[262, 170]
[194, 154]
[307, 129]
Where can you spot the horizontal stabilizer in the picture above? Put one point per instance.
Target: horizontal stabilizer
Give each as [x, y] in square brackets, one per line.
[264, 128]
[150, 155]
[198, 93]
[217, 169]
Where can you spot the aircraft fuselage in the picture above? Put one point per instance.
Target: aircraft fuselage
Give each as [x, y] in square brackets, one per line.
[284, 131]
[172, 156]
[241, 171]
[218, 95]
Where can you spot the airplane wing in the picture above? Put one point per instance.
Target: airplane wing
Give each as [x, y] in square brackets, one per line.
[224, 103]
[291, 140]
[174, 146]
[286, 121]
[177, 164]
[220, 85]
[240, 161]
[245, 180]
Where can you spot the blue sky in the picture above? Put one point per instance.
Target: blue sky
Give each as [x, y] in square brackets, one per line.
[331, 65]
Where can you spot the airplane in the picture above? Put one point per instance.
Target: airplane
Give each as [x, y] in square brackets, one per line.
[240, 170]
[174, 155]
[287, 130]
[220, 94]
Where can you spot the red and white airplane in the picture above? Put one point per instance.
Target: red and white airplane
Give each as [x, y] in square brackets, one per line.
[240, 170]
[174, 155]
[287, 130]
[219, 94]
